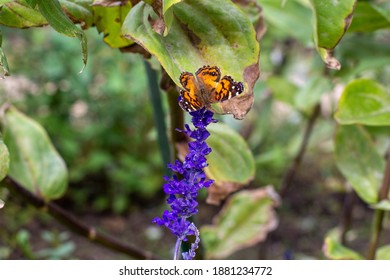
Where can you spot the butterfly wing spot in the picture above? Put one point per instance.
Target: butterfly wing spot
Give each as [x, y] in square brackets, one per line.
[237, 88]
[226, 89]
[209, 72]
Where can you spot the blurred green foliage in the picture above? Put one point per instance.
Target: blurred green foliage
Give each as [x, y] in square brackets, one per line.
[100, 120]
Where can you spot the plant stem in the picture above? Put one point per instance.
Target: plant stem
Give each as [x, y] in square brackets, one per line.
[176, 255]
[379, 214]
[376, 231]
[74, 224]
[346, 217]
[290, 174]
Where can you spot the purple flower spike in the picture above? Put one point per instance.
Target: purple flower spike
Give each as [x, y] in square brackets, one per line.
[182, 189]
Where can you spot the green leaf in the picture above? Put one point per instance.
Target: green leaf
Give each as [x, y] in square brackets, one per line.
[245, 220]
[167, 4]
[382, 205]
[35, 164]
[2, 2]
[79, 11]
[25, 13]
[168, 14]
[231, 159]
[359, 162]
[4, 159]
[331, 21]
[383, 253]
[364, 102]
[32, 3]
[57, 19]
[19, 14]
[369, 17]
[109, 20]
[289, 18]
[336, 251]
[201, 34]
[3, 59]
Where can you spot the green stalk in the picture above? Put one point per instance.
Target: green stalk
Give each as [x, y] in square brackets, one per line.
[158, 115]
[379, 214]
[376, 231]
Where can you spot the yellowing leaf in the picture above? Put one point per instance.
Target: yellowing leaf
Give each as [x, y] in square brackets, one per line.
[109, 20]
[335, 251]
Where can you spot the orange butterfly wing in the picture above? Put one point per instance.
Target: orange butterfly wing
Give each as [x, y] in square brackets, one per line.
[189, 99]
[208, 77]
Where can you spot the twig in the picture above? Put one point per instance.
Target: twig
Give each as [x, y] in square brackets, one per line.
[290, 174]
[74, 224]
[346, 216]
[379, 214]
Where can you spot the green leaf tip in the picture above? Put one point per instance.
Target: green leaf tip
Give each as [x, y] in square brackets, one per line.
[331, 20]
[55, 16]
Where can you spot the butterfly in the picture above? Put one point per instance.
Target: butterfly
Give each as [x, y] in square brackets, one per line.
[206, 87]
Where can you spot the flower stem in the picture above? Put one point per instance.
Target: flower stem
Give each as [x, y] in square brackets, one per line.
[176, 255]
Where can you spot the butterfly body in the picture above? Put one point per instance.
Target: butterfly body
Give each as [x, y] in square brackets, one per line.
[206, 87]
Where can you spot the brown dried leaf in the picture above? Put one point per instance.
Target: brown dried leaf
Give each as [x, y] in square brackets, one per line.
[218, 193]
